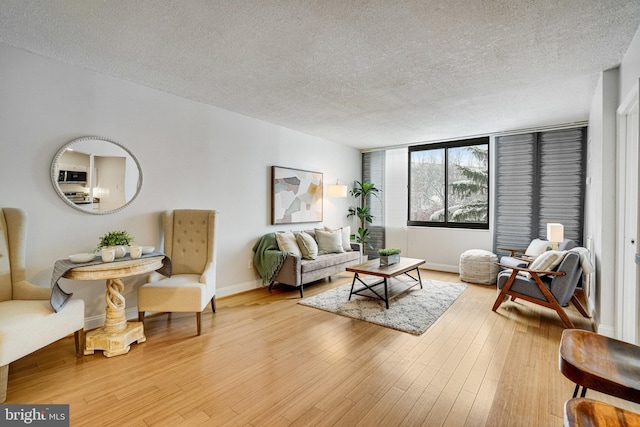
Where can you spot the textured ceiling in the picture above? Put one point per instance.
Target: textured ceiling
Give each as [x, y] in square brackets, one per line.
[363, 73]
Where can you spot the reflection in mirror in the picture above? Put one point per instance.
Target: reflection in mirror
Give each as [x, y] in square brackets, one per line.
[96, 175]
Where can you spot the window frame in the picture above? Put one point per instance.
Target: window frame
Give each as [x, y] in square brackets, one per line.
[446, 146]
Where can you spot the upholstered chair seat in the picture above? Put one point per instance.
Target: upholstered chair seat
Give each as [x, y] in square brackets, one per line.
[189, 241]
[27, 321]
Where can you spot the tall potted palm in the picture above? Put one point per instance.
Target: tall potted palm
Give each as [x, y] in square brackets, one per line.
[363, 190]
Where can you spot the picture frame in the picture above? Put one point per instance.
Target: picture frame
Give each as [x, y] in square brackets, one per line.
[296, 195]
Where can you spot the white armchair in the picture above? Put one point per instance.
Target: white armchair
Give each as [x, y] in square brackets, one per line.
[27, 321]
[189, 241]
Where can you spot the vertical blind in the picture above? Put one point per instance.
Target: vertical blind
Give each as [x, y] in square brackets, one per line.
[373, 170]
[539, 179]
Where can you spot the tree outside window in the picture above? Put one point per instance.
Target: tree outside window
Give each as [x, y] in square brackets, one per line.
[449, 184]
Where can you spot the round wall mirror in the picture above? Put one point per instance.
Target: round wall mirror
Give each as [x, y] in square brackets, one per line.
[96, 175]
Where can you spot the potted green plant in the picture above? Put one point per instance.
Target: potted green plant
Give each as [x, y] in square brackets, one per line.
[119, 240]
[389, 256]
[363, 190]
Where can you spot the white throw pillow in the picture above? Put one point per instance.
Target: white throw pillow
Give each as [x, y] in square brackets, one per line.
[329, 242]
[346, 237]
[307, 245]
[287, 243]
[547, 261]
[537, 247]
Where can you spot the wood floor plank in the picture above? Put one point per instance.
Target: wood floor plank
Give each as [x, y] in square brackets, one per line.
[263, 360]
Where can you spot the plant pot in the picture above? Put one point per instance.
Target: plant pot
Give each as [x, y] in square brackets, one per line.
[386, 260]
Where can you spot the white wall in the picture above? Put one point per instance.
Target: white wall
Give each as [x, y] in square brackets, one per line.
[192, 156]
[614, 88]
[439, 247]
[630, 69]
[600, 200]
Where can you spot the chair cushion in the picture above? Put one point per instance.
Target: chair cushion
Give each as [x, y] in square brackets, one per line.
[178, 293]
[537, 247]
[29, 325]
[547, 261]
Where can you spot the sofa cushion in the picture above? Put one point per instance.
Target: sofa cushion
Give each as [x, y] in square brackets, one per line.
[328, 260]
[345, 232]
[307, 245]
[329, 241]
[287, 243]
[28, 325]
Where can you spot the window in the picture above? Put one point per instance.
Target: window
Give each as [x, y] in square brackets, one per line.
[449, 184]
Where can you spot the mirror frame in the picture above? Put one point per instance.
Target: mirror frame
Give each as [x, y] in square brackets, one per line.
[54, 175]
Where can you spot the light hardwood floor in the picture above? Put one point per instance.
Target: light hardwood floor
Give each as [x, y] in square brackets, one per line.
[264, 360]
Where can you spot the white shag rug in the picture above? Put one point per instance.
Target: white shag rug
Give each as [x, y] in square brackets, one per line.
[410, 310]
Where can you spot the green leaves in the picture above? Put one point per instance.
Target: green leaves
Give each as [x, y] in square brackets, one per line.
[363, 190]
[115, 238]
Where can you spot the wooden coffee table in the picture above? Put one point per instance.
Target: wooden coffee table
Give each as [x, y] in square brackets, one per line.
[372, 268]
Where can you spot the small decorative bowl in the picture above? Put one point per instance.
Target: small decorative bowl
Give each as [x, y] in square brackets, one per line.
[147, 249]
[85, 257]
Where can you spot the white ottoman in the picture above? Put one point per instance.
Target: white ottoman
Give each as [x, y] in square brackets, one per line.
[478, 266]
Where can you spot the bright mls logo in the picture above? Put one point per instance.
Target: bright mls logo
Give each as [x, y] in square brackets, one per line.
[34, 415]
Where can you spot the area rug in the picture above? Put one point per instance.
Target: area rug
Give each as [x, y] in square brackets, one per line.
[411, 310]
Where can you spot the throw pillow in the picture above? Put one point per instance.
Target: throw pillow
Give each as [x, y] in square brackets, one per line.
[329, 241]
[536, 247]
[287, 243]
[307, 245]
[547, 261]
[346, 237]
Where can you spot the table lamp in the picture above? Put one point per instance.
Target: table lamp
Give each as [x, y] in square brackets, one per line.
[555, 234]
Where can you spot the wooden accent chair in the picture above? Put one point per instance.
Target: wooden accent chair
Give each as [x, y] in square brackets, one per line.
[551, 288]
[590, 413]
[189, 241]
[27, 321]
[600, 363]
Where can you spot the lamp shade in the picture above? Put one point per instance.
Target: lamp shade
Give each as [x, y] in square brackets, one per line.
[555, 232]
[337, 190]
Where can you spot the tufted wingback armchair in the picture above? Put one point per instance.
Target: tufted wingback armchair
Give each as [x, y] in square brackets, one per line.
[189, 241]
[27, 321]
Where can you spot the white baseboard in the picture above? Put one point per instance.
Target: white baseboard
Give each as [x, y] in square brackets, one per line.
[606, 330]
[441, 267]
[602, 329]
[238, 288]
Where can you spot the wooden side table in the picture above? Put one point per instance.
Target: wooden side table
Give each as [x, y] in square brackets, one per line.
[116, 336]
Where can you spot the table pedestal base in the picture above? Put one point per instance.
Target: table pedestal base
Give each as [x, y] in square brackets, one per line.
[117, 334]
[114, 344]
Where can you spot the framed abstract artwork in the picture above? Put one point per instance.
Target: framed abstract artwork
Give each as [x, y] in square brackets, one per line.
[296, 196]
